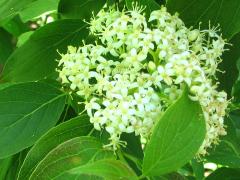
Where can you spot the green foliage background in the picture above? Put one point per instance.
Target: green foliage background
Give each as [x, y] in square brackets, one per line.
[42, 136]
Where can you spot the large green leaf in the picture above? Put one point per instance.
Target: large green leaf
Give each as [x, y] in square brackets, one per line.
[9, 8]
[36, 8]
[36, 59]
[106, 169]
[224, 174]
[228, 151]
[78, 126]
[71, 154]
[176, 137]
[79, 9]
[27, 111]
[223, 12]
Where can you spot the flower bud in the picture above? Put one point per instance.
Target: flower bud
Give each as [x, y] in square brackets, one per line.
[151, 66]
[193, 35]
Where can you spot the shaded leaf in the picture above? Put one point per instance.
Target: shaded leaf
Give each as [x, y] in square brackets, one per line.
[223, 12]
[6, 46]
[198, 169]
[230, 75]
[133, 151]
[79, 9]
[13, 168]
[15, 26]
[224, 174]
[134, 146]
[236, 94]
[228, 151]
[4, 166]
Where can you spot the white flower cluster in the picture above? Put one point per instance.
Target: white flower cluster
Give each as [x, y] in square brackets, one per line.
[138, 67]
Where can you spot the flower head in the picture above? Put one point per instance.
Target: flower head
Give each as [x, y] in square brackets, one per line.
[139, 67]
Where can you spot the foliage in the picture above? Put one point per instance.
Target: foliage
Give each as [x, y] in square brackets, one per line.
[46, 134]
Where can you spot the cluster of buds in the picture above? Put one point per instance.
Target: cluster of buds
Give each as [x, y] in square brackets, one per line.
[138, 67]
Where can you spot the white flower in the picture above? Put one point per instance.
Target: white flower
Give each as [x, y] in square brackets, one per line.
[138, 68]
[165, 73]
[134, 57]
[158, 15]
[92, 105]
[193, 35]
[140, 101]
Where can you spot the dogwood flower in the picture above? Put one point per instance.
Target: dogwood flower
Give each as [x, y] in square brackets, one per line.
[138, 68]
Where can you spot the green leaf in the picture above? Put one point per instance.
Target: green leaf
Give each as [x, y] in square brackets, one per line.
[226, 13]
[223, 12]
[37, 8]
[104, 169]
[22, 156]
[6, 46]
[230, 58]
[75, 127]
[103, 136]
[13, 168]
[236, 87]
[170, 176]
[176, 137]
[14, 165]
[111, 2]
[4, 166]
[36, 59]
[9, 8]
[198, 169]
[150, 5]
[228, 151]
[236, 94]
[5, 85]
[27, 111]
[79, 9]
[15, 26]
[24, 37]
[225, 154]
[134, 146]
[133, 151]
[235, 117]
[71, 154]
[225, 174]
